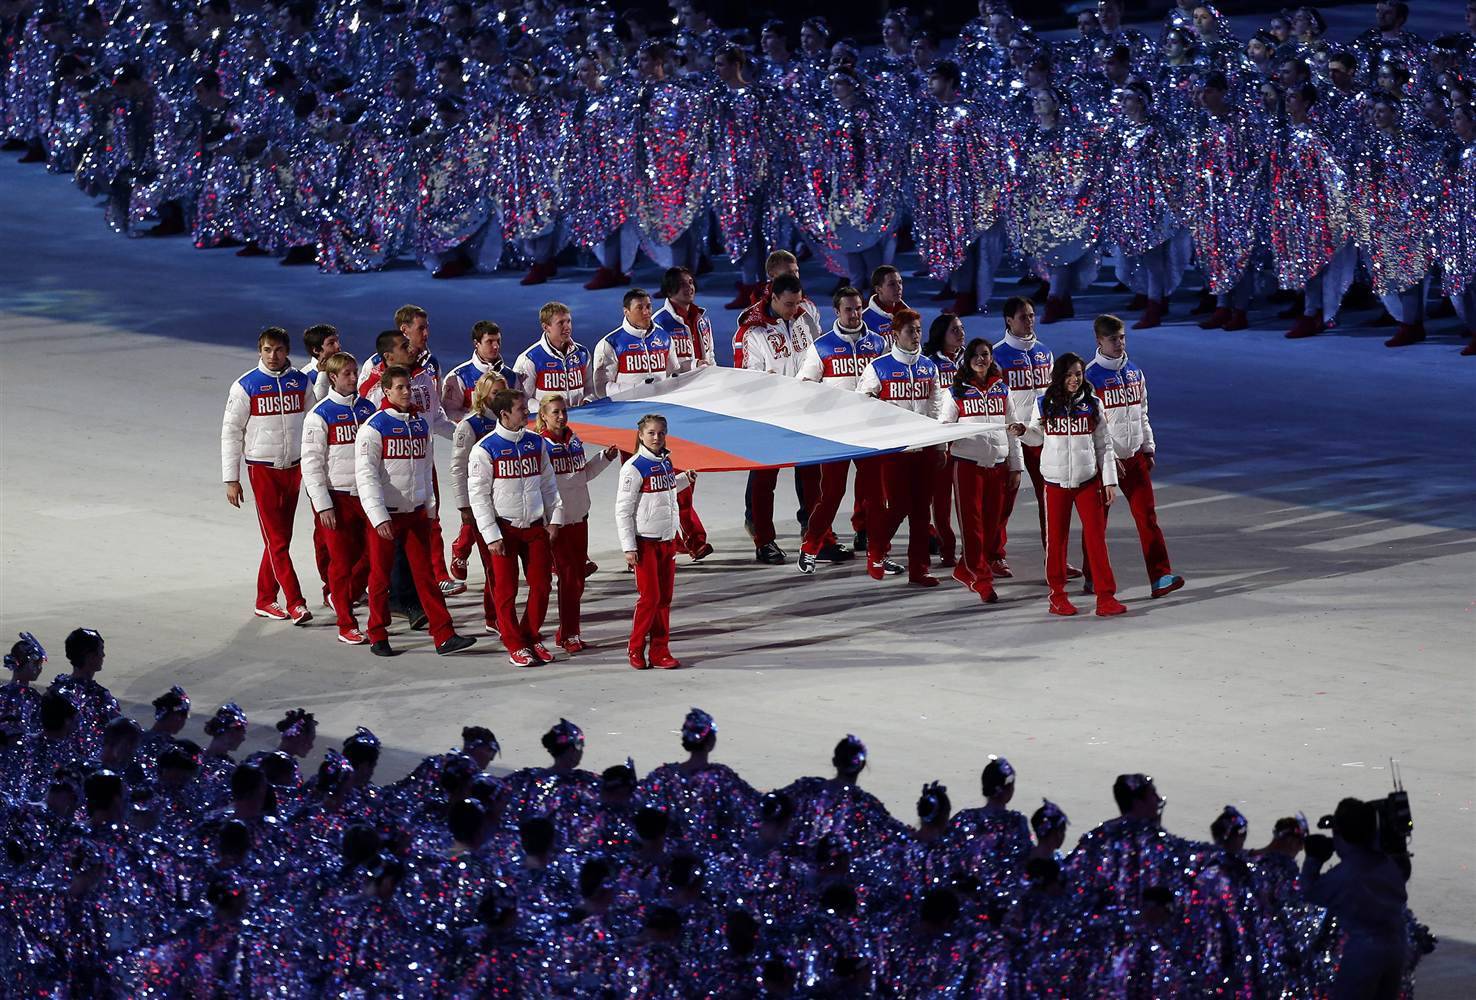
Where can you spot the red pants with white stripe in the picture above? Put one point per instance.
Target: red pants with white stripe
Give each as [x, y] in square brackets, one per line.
[570, 552]
[1135, 483]
[321, 554]
[764, 483]
[414, 532]
[907, 489]
[1032, 469]
[489, 609]
[1087, 499]
[832, 490]
[655, 574]
[348, 556]
[438, 544]
[276, 491]
[524, 551]
[980, 497]
[943, 510]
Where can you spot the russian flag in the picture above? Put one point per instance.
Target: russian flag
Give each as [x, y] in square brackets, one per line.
[732, 420]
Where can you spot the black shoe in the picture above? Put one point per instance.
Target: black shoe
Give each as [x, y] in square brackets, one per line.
[835, 552]
[859, 542]
[769, 555]
[806, 563]
[455, 644]
[419, 621]
[382, 648]
[935, 548]
[892, 568]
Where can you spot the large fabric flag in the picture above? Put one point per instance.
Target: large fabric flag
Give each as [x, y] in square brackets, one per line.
[727, 420]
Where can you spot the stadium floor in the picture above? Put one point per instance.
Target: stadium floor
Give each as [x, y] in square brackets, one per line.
[1316, 494]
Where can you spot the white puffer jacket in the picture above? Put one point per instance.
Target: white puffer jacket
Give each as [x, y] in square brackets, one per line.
[394, 461]
[1123, 390]
[263, 420]
[1075, 446]
[329, 432]
[510, 477]
[646, 499]
[989, 408]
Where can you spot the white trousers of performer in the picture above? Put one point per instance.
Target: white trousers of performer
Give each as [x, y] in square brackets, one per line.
[1407, 306]
[618, 251]
[1157, 273]
[1465, 307]
[541, 249]
[1075, 277]
[981, 264]
[1326, 290]
[483, 250]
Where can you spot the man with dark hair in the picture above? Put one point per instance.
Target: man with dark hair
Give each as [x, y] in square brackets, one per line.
[691, 340]
[776, 334]
[322, 342]
[634, 353]
[263, 426]
[393, 462]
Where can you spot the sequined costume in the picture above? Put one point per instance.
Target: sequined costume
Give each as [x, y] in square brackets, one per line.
[1394, 188]
[1455, 238]
[528, 174]
[1144, 199]
[95, 706]
[713, 808]
[1059, 192]
[601, 171]
[1309, 205]
[959, 182]
[740, 171]
[672, 162]
[456, 191]
[1222, 195]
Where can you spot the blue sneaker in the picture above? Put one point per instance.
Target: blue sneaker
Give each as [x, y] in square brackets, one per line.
[1167, 585]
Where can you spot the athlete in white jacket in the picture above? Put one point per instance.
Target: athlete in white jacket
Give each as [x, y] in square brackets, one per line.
[329, 433]
[555, 364]
[515, 498]
[1080, 471]
[574, 468]
[636, 352]
[907, 378]
[1123, 391]
[394, 461]
[647, 522]
[477, 424]
[263, 427]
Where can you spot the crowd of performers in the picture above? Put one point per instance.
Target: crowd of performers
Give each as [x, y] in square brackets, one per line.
[139, 863]
[474, 136]
[360, 439]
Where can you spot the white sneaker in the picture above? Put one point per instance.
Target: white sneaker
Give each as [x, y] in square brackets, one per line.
[450, 588]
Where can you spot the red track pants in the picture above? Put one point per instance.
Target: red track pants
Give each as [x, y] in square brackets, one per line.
[276, 491]
[832, 490]
[980, 498]
[348, 556]
[655, 575]
[868, 491]
[907, 489]
[524, 551]
[943, 510]
[321, 554]
[437, 543]
[1087, 499]
[764, 482]
[570, 552]
[1032, 469]
[414, 532]
[1135, 484]
[489, 608]
[466, 540]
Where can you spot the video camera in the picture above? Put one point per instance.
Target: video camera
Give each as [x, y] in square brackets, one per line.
[1394, 821]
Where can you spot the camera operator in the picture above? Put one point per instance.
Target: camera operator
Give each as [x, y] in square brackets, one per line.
[1366, 893]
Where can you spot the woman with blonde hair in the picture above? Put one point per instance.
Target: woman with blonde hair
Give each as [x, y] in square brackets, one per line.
[477, 424]
[573, 469]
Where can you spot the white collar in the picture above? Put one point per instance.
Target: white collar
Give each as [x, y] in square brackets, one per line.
[550, 348]
[339, 397]
[852, 335]
[645, 452]
[506, 434]
[1114, 364]
[479, 364]
[261, 367]
[1021, 345]
[643, 334]
[906, 357]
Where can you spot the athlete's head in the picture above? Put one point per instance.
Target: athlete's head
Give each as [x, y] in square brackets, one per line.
[651, 433]
[394, 348]
[321, 340]
[396, 385]
[849, 305]
[678, 287]
[637, 306]
[510, 409]
[907, 329]
[977, 366]
[414, 323]
[1111, 336]
[558, 324]
[273, 344]
[781, 262]
[1019, 314]
[342, 369]
[486, 337]
[553, 414]
[886, 285]
[487, 386]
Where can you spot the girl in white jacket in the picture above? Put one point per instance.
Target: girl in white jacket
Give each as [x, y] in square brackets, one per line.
[1080, 470]
[646, 519]
[477, 424]
[574, 470]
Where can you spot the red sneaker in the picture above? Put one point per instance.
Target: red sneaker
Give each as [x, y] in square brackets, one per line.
[573, 644]
[1407, 334]
[924, 581]
[301, 615]
[273, 611]
[1152, 317]
[1061, 606]
[351, 637]
[1000, 568]
[662, 658]
[962, 575]
[523, 658]
[1110, 606]
[541, 651]
[873, 569]
[638, 659]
